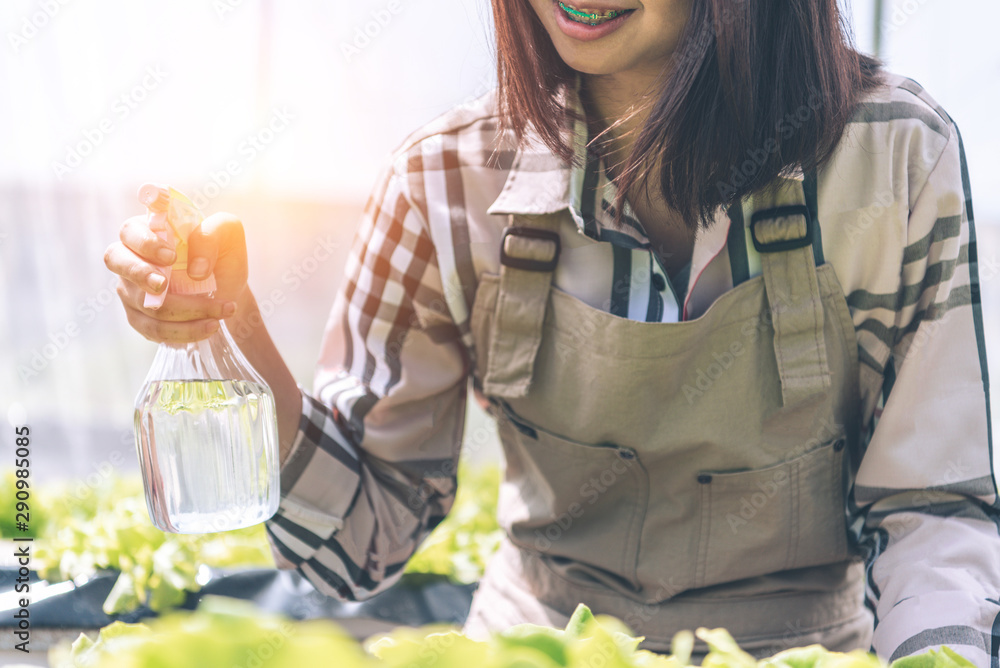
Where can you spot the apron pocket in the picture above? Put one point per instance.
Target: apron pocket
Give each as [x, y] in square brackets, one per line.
[790, 515]
[573, 501]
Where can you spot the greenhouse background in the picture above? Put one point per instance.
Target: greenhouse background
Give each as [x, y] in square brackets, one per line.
[283, 114]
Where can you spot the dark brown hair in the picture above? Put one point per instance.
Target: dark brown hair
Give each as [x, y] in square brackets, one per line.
[755, 87]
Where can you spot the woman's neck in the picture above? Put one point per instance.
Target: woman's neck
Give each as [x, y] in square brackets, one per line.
[622, 102]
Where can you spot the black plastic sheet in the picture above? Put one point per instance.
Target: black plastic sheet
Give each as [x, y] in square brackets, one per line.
[414, 601]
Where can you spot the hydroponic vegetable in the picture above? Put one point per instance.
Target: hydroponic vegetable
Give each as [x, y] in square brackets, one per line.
[87, 528]
[106, 527]
[224, 632]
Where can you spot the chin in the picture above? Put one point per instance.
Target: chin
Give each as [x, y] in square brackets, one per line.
[593, 65]
[582, 69]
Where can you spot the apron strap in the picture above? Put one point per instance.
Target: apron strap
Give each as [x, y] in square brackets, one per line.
[783, 229]
[528, 256]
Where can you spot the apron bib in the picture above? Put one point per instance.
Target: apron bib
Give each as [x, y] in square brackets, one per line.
[676, 475]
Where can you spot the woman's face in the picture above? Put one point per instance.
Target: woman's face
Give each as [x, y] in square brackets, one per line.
[641, 40]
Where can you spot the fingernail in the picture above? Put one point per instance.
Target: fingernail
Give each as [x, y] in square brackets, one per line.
[228, 309]
[156, 282]
[212, 327]
[198, 267]
[165, 256]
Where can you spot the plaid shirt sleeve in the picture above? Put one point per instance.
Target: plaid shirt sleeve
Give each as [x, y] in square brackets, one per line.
[372, 468]
[925, 497]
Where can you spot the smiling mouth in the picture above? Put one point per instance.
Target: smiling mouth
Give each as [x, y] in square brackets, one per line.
[591, 18]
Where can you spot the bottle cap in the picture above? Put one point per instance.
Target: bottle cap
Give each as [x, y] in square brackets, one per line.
[156, 198]
[182, 217]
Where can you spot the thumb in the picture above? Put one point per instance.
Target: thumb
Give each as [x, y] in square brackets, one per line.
[218, 245]
[203, 251]
[207, 241]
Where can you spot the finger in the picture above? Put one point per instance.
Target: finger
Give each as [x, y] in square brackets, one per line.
[134, 269]
[162, 331]
[136, 236]
[219, 239]
[176, 307]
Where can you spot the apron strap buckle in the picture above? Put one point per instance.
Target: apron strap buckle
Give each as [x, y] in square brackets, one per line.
[783, 231]
[519, 248]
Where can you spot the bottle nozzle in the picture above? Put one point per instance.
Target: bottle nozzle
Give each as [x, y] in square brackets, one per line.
[155, 198]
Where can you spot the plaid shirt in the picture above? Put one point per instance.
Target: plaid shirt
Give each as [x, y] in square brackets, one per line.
[372, 469]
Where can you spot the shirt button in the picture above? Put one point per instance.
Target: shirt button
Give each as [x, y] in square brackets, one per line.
[659, 283]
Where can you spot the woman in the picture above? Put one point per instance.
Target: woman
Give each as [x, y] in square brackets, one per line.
[724, 397]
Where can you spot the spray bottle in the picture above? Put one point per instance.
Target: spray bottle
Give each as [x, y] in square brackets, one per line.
[205, 424]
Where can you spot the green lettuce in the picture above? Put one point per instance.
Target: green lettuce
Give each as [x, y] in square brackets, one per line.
[83, 529]
[87, 529]
[226, 632]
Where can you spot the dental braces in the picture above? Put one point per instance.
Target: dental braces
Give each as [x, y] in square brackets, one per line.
[610, 14]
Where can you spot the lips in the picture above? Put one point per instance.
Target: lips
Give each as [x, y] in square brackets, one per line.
[572, 22]
[591, 15]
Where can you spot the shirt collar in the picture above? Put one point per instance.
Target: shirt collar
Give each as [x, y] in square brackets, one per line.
[539, 181]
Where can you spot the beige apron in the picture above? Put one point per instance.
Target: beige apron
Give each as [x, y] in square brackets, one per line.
[676, 475]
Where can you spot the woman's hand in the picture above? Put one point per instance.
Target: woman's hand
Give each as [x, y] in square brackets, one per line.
[217, 246]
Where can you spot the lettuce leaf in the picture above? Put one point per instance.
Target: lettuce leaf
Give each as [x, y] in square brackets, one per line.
[227, 632]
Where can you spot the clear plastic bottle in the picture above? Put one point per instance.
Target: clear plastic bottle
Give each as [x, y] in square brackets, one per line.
[205, 425]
